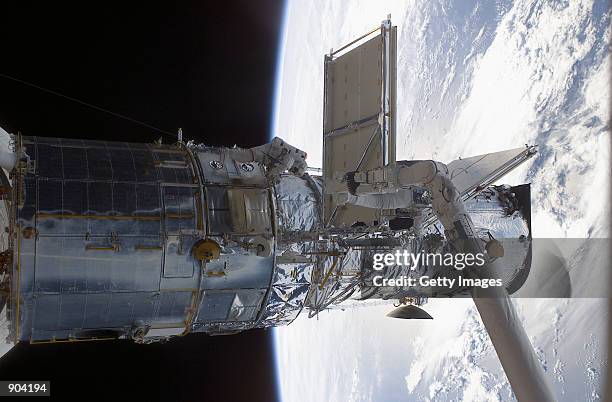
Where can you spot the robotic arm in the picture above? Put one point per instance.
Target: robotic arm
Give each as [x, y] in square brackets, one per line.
[501, 320]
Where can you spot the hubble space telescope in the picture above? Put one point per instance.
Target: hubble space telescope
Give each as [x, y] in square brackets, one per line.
[150, 241]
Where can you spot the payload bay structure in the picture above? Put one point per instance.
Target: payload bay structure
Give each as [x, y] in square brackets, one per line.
[147, 241]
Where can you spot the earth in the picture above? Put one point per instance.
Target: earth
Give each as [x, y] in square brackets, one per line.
[474, 76]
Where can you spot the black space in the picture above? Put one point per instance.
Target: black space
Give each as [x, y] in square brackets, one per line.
[192, 368]
[207, 67]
